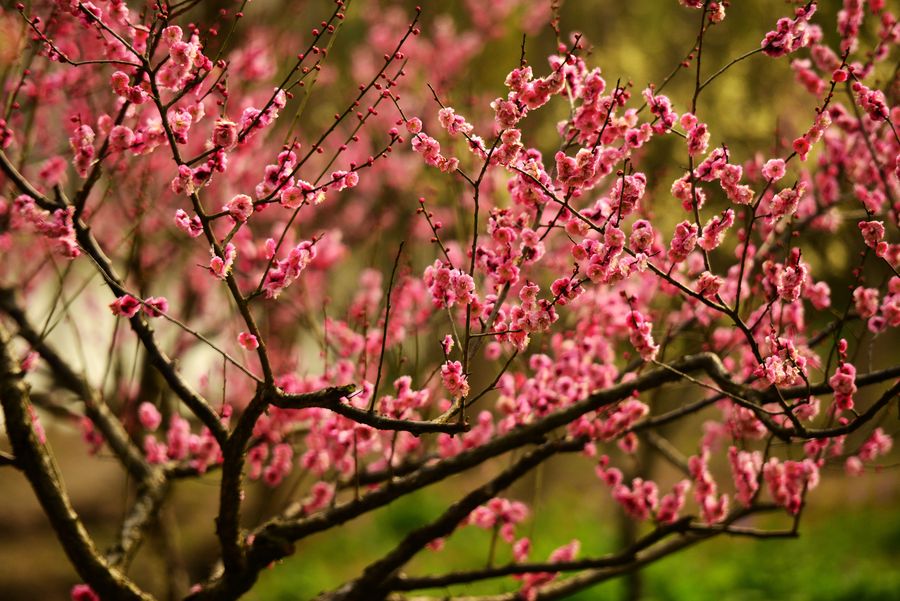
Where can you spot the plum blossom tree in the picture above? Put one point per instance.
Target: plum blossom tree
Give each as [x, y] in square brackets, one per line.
[531, 304]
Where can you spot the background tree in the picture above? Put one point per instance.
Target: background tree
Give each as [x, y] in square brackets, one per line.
[353, 288]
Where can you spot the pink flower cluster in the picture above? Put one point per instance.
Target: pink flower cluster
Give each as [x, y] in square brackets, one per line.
[57, 227]
[531, 581]
[843, 382]
[785, 365]
[455, 381]
[430, 149]
[285, 272]
[803, 144]
[454, 123]
[714, 230]
[712, 509]
[220, 266]
[745, 469]
[873, 235]
[683, 242]
[871, 101]
[641, 335]
[789, 280]
[82, 144]
[878, 444]
[661, 108]
[790, 35]
[189, 225]
[499, 513]
[448, 286]
[600, 261]
[128, 306]
[697, 134]
[532, 315]
[200, 450]
[530, 93]
[185, 58]
[787, 481]
[785, 203]
[407, 400]
[240, 207]
[641, 501]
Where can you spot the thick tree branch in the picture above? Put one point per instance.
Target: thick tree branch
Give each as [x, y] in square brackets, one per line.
[143, 512]
[36, 461]
[331, 398]
[374, 580]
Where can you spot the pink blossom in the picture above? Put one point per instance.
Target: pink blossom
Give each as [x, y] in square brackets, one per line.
[853, 466]
[454, 124]
[879, 443]
[683, 242]
[714, 230]
[248, 341]
[225, 134]
[672, 503]
[843, 382]
[344, 179]
[661, 108]
[320, 495]
[189, 225]
[639, 500]
[789, 35]
[149, 416]
[871, 101]
[125, 305]
[155, 306]
[784, 366]
[178, 438]
[713, 508]
[873, 235]
[791, 277]
[285, 271]
[180, 121]
[697, 134]
[447, 286]
[240, 207]
[785, 203]
[221, 266]
[414, 125]
[154, 450]
[774, 169]
[745, 468]
[708, 284]
[121, 138]
[865, 301]
[83, 592]
[787, 481]
[455, 381]
[641, 336]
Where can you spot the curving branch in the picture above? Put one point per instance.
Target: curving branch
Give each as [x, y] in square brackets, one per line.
[166, 367]
[37, 463]
[96, 409]
[143, 512]
[331, 398]
[642, 552]
[375, 583]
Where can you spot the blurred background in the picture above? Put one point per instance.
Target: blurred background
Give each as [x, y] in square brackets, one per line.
[849, 542]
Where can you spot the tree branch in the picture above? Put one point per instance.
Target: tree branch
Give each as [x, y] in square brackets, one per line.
[374, 584]
[36, 461]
